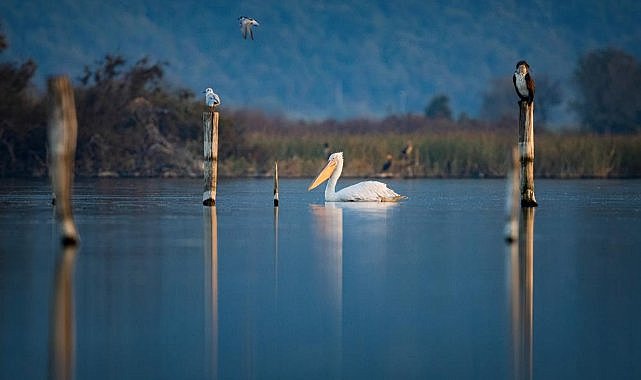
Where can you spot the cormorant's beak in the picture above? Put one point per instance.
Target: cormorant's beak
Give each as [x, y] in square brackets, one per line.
[323, 175]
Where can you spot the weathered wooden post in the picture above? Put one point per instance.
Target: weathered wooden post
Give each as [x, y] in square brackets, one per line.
[210, 126]
[276, 184]
[62, 133]
[512, 197]
[526, 149]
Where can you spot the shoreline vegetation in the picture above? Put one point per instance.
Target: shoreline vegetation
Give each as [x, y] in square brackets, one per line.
[455, 154]
[249, 145]
[131, 123]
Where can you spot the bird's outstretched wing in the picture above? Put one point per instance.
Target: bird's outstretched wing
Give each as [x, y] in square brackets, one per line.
[242, 20]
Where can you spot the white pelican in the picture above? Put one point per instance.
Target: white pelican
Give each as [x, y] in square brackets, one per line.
[246, 24]
[368, 191]
[212, 100]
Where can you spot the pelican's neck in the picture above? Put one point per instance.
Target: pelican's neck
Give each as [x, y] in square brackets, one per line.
[330, 190]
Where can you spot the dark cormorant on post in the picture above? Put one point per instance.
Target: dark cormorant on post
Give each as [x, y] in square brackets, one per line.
[523, 82]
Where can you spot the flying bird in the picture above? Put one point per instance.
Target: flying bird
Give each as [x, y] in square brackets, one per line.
[368, 191]
[246, 24]
[212, 100]
[523, 82]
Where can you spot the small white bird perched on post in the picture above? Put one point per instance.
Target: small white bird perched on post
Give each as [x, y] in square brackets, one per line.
[212, 100]
[246, 24]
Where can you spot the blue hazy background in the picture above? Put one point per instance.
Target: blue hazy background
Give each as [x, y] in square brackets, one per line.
[329, 59]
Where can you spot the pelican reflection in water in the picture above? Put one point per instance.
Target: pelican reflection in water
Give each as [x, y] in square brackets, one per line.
[328, 251]
[367, 191]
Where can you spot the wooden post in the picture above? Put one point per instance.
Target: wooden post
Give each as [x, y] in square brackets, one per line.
[512, 198]
[526, 149]
[62, 132]
[210, 126]
[276, 184]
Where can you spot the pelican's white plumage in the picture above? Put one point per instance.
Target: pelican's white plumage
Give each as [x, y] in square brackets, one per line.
[368, 191]
[211, 98]
[246, 24]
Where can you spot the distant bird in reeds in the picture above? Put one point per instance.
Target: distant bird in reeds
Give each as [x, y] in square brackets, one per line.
[406, 153]
[246, 24]
[523, 82]
[387, 164]
[212, 100]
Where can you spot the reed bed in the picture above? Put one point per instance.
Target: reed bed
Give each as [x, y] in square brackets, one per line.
[455, 154]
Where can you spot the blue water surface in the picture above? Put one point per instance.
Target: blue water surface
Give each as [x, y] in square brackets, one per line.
[161, 287]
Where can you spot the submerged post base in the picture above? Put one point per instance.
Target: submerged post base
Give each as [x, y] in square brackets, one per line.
[511, 231]
[528, 199]
[528, 203]
[209, 198]
[70, 241]
[70, 235]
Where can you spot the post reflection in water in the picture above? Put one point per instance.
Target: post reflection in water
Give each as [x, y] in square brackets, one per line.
[62, 336]
[210, 225]
[276, 254]
[522, 295]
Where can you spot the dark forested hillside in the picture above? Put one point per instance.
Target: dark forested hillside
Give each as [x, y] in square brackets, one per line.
[338, 59]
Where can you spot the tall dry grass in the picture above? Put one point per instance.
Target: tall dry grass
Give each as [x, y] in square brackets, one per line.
[443, 154]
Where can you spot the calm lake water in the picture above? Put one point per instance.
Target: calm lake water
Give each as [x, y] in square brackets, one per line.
[164, 288]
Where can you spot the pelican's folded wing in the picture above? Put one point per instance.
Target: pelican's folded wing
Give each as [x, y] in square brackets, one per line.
[368, 191]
